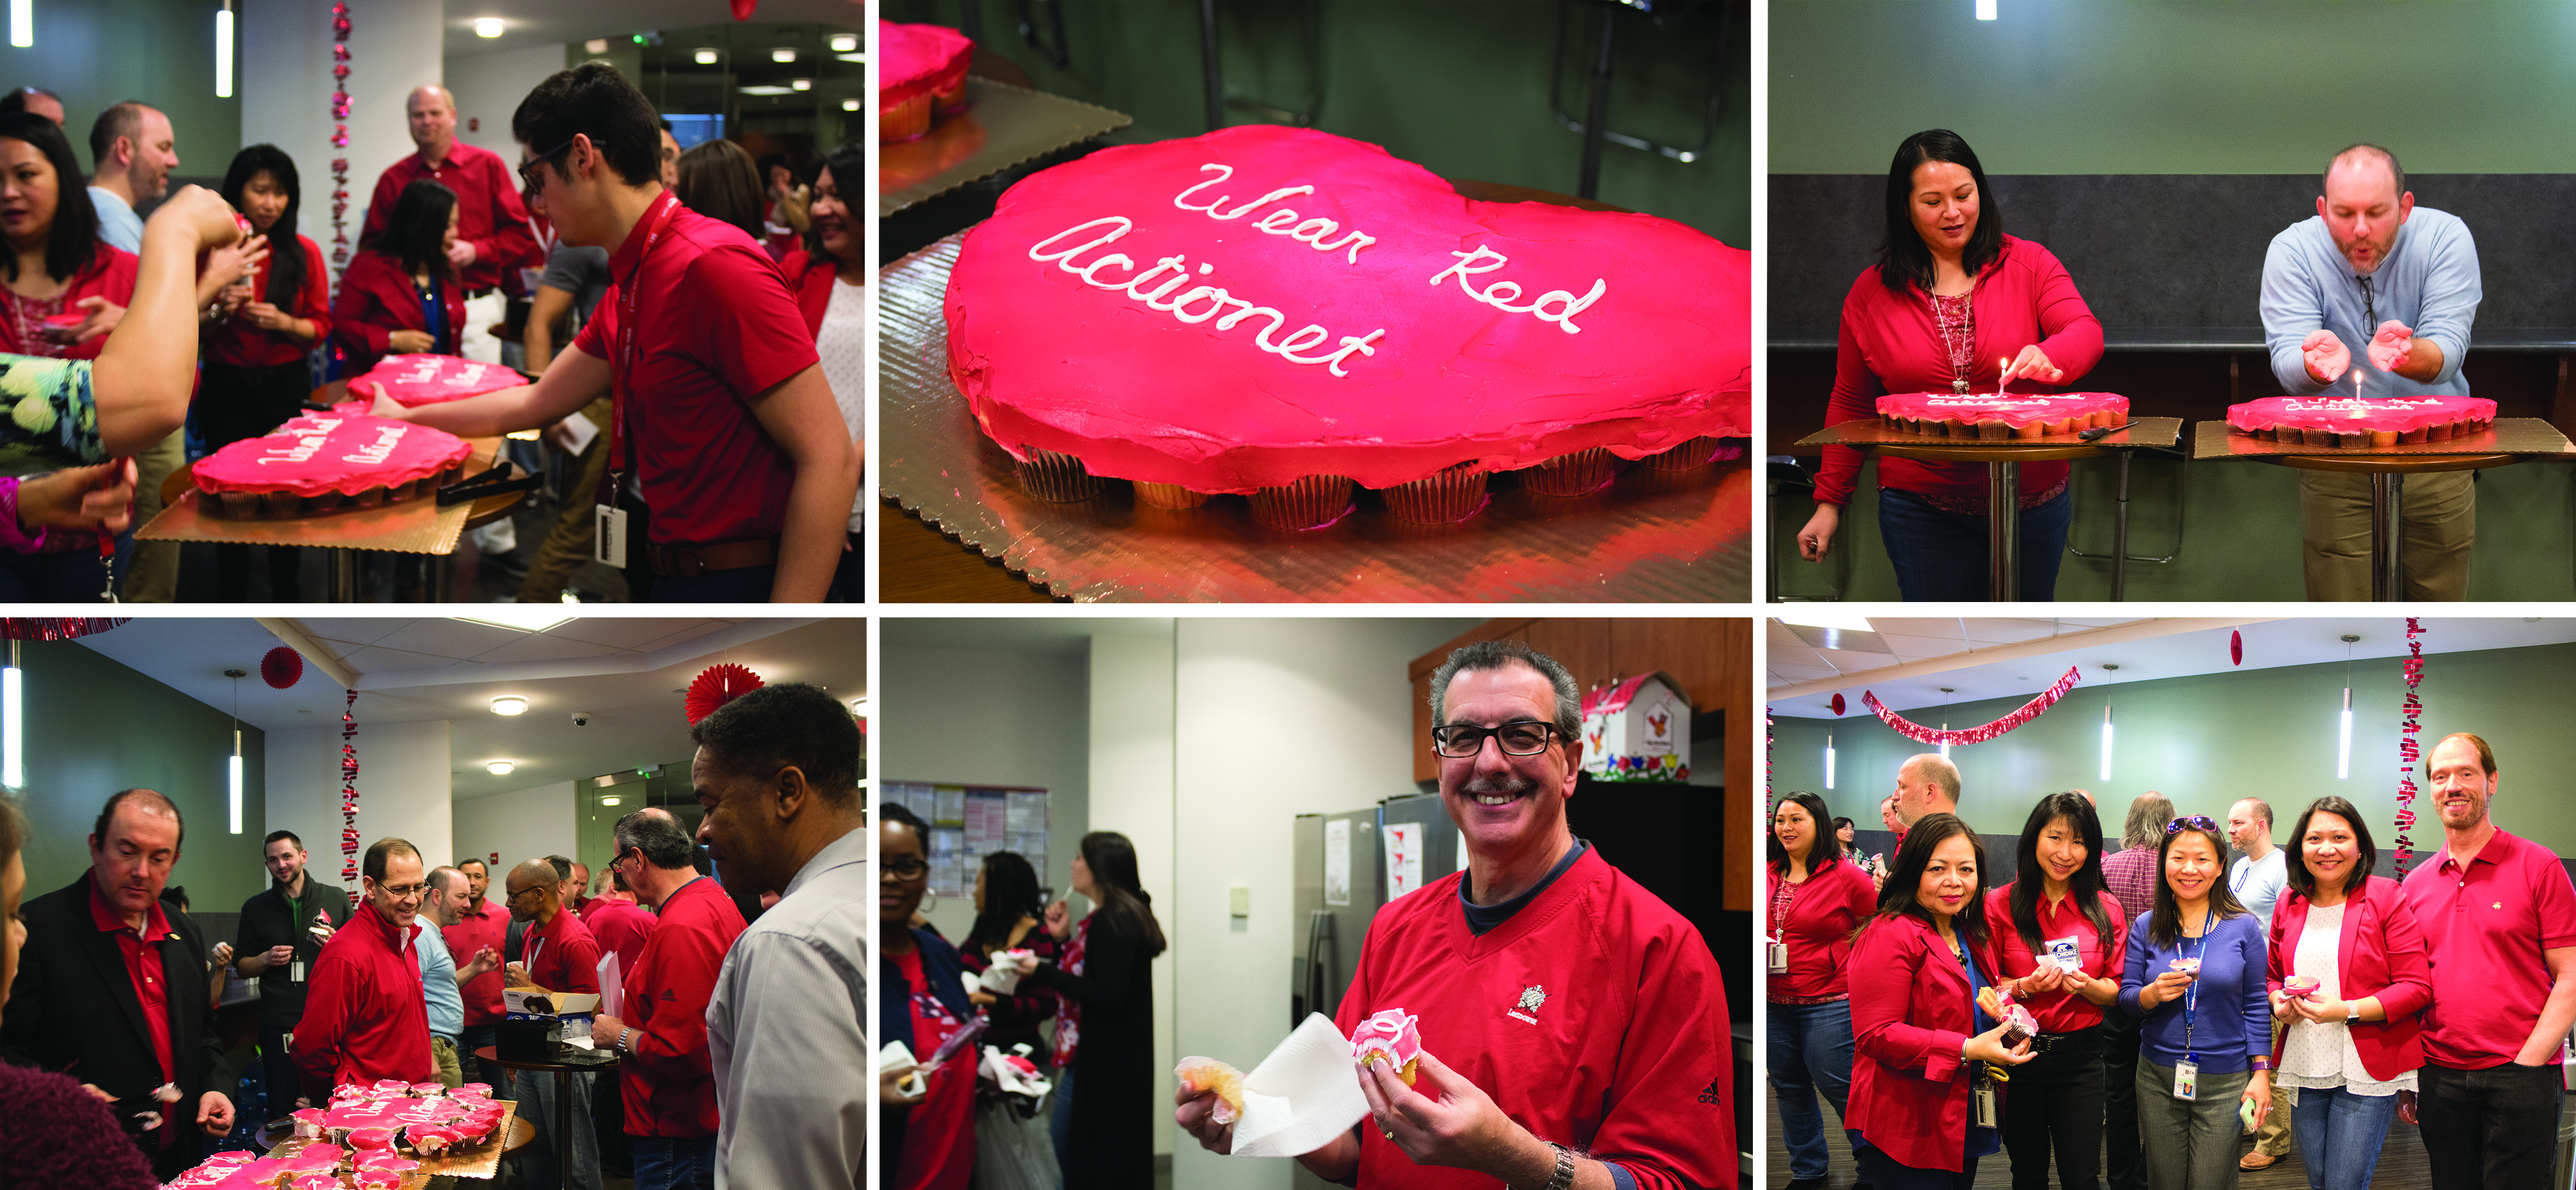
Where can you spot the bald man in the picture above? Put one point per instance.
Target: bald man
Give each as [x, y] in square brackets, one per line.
[492, 233]
[559, 955]
[1927, 783]
[2376, 286]
[33, 99]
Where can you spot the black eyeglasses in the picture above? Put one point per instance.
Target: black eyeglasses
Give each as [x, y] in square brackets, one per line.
[527, 168]
[1526, 737]
[2197, 822]
[906, 869]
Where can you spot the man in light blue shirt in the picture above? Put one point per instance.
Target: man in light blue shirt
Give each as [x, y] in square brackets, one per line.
[440, 981]
[2257, 877]
[132, 153]
[2375, 285]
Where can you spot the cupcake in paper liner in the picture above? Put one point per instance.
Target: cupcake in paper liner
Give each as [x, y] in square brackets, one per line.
[1315, 502]
[1057, 478]
[2301, 987]
[1455, 494]
[1168, 495]
[1579, 474]
[908, 119]
[1391, 1037]
[1689, 456]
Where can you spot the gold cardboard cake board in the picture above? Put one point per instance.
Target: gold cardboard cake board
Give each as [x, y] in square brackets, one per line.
[483, 1162]
[413, 526]
[2141, 431]
[1653, 536]
[1001, 126]
[2508, 435]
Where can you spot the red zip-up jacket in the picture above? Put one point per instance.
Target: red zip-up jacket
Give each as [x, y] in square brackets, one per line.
[1910, 1016]
[670, 1091]
[364, 1015]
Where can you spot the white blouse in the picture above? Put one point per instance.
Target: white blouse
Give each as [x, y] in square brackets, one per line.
[842, 345]
[2319, 1053]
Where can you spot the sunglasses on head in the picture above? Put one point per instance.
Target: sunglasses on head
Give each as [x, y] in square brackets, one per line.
[2197, 822]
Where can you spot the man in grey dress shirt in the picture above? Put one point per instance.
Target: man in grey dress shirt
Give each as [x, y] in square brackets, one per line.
[777, 771]
[2378, 286]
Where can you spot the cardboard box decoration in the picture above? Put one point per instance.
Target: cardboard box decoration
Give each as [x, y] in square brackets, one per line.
[1637, 730]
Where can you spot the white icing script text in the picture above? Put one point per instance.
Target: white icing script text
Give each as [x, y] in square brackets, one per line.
[1282, 222]
[1495, 296]
[306, 441]
[1215, 298]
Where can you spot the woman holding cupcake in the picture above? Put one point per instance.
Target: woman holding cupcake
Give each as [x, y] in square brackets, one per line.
[1925, 1096]
[2349, 977]
[2057, 943]
[2195, 972]
[1818, 899]
[1953, 305]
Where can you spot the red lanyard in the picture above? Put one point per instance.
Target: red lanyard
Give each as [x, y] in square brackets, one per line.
[657, 221]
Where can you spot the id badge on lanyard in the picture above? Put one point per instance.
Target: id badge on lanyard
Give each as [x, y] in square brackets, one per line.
[2187, 1072]
[608, 539]
[1778, 950]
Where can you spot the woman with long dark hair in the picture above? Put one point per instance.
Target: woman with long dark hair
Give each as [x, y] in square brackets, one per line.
[1104, 1036]
[2057, 946]
[2355, 1026]
[1924, 1104]
[1008, 907]
[256, 377]
[400, 293]
[1817, 900]
[930, 1132]
[1953, 305]
[830, 278]
[2196, 974]
[718, 181]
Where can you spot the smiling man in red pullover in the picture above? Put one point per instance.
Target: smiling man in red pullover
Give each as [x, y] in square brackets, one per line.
[669, 1086]
[364, 1016]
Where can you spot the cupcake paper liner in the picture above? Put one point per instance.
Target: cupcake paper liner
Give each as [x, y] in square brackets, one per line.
[1454, 495]
[1057, 478]
[1168, 495]
[1315, 502]
[1579, 474]
[906, 120]
[1688, 456]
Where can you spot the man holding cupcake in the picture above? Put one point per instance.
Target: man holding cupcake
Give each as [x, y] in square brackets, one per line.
[2378, 286]
[1514, 987]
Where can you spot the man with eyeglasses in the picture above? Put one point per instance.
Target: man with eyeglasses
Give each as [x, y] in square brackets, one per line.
[666, 1078]
[365, 1017]
[1573, 1027]
[559, 955]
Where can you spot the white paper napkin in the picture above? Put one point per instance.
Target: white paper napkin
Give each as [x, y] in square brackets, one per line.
[1301, 1096]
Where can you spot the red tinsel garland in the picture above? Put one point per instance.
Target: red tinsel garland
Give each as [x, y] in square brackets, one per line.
[716, 686]
[1975, 735]
[349, 791]
[53, 627]
[340, 134]
[2408, 751]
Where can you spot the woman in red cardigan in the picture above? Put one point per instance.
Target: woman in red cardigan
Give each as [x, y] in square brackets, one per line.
[256, 377]
[400, 294]
[2353, 1042]
[1817, 899]
[1923, 1108]
[1953, 304]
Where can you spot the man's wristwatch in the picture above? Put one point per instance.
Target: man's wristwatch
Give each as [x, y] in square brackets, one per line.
[1564, 1176]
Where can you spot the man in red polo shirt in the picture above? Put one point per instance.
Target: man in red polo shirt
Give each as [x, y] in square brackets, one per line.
[492, 235]
[364, 1015]
[2499, 924]
[559, 955]
[726, 434]
[480, 926]
[670, 1087]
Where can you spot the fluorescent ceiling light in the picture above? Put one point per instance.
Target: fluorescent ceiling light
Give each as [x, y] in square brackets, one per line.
[849, 105]
[843, 43]
[596, 45]
[801, 84]
[611, 801]
[764, 90]
[1985, 10]
[22, 23]
[509, 704]
[224, 54]
[536, 617]
[501, 768]
[1821, 616]
[782, 54]
[858, 58]
[705, 57]
[13, 740]
[490, 27]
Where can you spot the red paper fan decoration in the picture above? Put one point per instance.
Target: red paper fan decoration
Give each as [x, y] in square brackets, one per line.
[281, 667]
[720, 684]
[53, 627]
[2236, 648]
[1837, 704]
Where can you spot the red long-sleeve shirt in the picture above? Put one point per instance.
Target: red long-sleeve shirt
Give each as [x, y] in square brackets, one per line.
[669, 1088]
[488, 212]
[364, 1014]
[378, 298]
[1888, 344]
[1817, 926]
[242, 345]
[562, 956]
[621, 926]
[110, 274]
[474, 930]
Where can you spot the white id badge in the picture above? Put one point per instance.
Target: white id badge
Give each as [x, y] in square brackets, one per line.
[295, 971]
[608, 536]
[2187, 1081]
[1986, 1105]
[1779, 952]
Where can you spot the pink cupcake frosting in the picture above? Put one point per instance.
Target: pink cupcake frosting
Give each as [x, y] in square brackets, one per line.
[1389, 1034]
[2301, 986]
[371, 1138]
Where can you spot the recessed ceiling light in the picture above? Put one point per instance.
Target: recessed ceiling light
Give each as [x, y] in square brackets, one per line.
[596, 45]
[843, 43]
[535, 617]
[611, 801]
[490, 27]
[706, 57]
[782, 54]
[501, 768]
[509, 704]
[801, 84]
[849, 105]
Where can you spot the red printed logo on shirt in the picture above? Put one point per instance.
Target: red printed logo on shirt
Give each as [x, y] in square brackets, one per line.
[1531, 997]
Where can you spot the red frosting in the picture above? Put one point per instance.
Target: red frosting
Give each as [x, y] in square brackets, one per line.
[318, 453]
[2013, 409]
[416, 380]
[918, 59]
[2349, 415]
[1339, 312]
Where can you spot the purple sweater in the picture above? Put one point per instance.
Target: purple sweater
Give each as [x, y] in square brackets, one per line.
[59, 1135]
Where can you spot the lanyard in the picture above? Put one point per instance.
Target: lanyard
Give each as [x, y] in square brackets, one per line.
[2191, 995]
[629, 299]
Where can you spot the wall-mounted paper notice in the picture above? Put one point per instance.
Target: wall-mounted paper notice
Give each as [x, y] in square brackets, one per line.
[1403, 858]
[1337, 862]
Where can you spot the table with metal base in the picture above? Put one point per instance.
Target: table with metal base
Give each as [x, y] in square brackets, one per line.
[563, 1072]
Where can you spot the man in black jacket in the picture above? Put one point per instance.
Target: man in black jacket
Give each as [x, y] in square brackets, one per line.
[282, 932]
[113, 992]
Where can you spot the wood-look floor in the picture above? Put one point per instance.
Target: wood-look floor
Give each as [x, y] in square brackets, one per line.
[2401, 1164]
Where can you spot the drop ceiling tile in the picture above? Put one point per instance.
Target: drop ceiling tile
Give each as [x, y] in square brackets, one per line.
[2007, 632]
[1917, 648]
[350, 630]
[543, 647]
[1943, 627]
[1779, 634]
[684, 636]
[1851, 662]
[455, 639]
[374, 660]
[629, 633]
[1787, 674]
[2100, 622]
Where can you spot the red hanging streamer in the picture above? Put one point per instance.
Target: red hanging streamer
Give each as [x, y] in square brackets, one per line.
[340, 135]
[2408, 750]
[53, 627]
[349, 792]
[1975, 735]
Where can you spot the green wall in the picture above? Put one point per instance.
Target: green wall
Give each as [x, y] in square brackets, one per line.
[1461, 88]
[93, 727]
[95, 53]
[2146, 88]
[2206, 741]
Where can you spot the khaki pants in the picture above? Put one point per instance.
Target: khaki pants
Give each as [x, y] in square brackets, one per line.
[443, 1052]
[2439, 524]
[569, 545]
[152, 575]
[2273, 1138]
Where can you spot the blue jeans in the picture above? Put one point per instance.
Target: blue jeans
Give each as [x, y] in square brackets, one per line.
[1811, 1051]
[2340, 1135]
[75, 576]
[1941, 556]
[1060, 1129]
[662, 1164]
